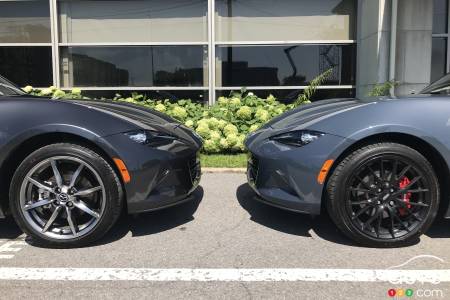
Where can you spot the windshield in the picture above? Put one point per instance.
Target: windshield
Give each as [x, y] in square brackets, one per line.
[7, 88]
[441, 86]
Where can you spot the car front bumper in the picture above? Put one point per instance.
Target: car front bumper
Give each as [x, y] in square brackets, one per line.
[160, 177]
[286, 176]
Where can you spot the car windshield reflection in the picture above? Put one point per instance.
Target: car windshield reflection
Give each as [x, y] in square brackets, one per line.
[440, 86]
[8, 88]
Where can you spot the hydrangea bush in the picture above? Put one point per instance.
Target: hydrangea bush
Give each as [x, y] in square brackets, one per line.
[223, 126]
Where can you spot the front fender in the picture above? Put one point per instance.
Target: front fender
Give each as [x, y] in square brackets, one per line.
[8, 148]
[372, 131]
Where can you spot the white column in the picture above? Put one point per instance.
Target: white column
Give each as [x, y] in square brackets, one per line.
[211, 52]
[414, 34]
[373, 44]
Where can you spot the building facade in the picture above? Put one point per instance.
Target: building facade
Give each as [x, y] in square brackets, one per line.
[202, 49]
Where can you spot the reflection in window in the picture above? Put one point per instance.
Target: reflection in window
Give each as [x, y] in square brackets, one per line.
[268, 20]
[25, 22]
[440, 16]
[27, 65]
[289, 96]
[195, 95]
[438, 58]
[133, 21]
[134, 66]
[284, 65]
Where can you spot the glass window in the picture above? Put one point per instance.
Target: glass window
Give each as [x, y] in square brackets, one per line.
[286, 65]
[134, 66]
[289, 96]
[133, 21]
[27, 65]
[440, 16]
[268, 20]
[25, 22]
[195, 95]
[438, 58]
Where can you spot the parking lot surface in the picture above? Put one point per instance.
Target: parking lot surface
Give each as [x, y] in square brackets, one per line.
[222, 245]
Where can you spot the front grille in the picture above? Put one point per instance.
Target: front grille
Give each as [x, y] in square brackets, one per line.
[195, 170]
[253, 168]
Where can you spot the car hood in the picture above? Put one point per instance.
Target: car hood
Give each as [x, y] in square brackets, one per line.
[312, 112]
[143, 118]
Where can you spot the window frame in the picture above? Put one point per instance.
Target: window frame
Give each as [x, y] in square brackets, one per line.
[211, 45]
[446, 36]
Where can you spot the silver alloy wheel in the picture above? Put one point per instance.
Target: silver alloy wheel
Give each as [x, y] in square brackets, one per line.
[62, 197]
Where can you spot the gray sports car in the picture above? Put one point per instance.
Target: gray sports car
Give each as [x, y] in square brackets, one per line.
[379, 167]
[67, 168]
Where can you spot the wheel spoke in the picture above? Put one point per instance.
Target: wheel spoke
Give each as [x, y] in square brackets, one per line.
[75, 175]
[362, 182]
[58, 178]
[382, 170]
[393, 175]
[421, 204]
[404, 204]
[88, 191]
[362, 202]
[82, 206]
[391, 217]
[72, 226]
[373, 173]
[371, 219]
[38, 204]
[41, 185]
[416, 191]
[403, 172]
[401, 222]
[412, 182]
[52, 219]
[361, 190]
[377, 229]
[361, 211]
[406, 188]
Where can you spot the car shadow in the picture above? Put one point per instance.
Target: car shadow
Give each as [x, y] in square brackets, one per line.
[154, 222]
[9, 229]
[439, 229]
[291, 222]
[149, 223]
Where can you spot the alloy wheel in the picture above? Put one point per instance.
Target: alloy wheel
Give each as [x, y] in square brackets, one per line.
[62, 197]
[388, 197]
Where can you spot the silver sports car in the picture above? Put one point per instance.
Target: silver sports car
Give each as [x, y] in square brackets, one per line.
[379, 167]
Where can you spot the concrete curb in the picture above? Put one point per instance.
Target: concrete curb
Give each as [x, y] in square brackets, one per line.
[224, 170]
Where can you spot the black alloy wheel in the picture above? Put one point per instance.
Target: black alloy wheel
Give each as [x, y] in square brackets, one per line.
[383, 195]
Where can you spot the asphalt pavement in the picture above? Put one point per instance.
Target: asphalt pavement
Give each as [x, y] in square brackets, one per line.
[204, 242]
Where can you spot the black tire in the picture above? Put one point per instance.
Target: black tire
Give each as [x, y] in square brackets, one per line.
[363, 208]
[108, 198]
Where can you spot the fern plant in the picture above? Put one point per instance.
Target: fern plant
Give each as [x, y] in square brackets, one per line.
[382, 89]
[307, 94]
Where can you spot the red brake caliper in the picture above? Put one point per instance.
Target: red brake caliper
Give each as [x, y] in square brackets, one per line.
[404, 183]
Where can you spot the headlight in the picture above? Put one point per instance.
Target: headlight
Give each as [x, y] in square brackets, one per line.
[297, 138]
[151, 138]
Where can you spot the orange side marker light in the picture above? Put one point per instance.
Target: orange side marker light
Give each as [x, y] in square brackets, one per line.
[123, 170]
[324, 171]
